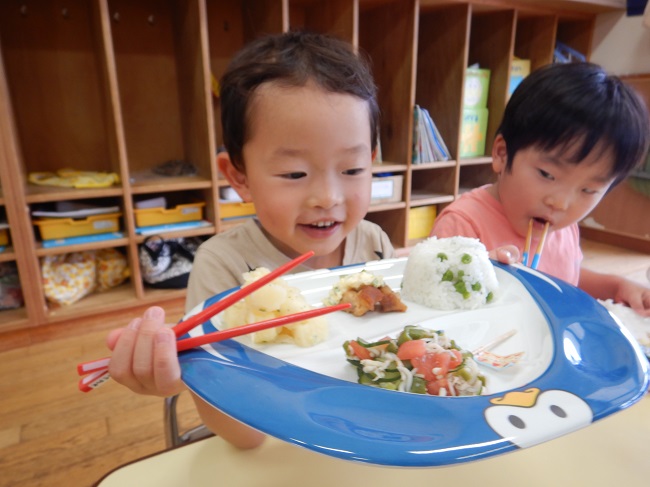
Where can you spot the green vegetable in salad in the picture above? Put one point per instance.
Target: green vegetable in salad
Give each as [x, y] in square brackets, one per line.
[420, 361]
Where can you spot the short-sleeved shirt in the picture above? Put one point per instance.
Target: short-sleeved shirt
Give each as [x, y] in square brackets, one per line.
[222, 260]
[478, 214]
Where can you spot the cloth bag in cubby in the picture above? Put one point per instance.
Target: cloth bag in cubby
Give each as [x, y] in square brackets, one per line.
[112, 269]
[69, 277]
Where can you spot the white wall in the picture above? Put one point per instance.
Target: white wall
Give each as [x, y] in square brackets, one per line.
[622, 44]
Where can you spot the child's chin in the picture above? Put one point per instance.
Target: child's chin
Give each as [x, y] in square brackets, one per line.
[325, 248]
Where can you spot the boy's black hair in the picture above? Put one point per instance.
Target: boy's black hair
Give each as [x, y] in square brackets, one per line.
[291, 59]
[560, 104]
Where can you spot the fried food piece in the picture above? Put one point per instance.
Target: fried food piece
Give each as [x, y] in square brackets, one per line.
[371, 298]
[390, 301]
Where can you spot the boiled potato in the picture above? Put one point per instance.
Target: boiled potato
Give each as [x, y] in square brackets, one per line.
[276, 299]
[236, 314]
[269, 297]
[310, 332]
[265, 336]
[294, 305]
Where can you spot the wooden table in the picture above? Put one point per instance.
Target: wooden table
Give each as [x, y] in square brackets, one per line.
[612, 451]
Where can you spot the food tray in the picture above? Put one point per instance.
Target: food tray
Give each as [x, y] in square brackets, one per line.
[579, 366]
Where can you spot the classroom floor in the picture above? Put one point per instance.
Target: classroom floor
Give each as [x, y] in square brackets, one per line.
[52, 435]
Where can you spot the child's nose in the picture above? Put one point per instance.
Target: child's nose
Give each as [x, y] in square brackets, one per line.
[559, 200]
[326, 194]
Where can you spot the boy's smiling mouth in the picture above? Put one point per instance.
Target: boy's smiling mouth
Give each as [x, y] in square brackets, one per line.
[323, 224]
[320, 229]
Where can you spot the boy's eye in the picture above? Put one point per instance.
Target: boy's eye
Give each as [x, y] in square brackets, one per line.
[545, 174]
[354, 172]
[294, 175]
[590, 191]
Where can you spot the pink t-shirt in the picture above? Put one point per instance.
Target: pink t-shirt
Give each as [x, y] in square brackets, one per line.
[478, 214]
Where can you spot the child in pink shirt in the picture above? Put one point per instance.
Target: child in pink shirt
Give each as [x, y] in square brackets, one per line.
[569, 133]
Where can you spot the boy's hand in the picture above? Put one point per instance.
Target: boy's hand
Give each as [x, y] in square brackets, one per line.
[634, 295]
[508, 254]
[617, 288]
[144, 355]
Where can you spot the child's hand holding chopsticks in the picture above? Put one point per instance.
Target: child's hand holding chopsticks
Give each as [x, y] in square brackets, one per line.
[144, 357]
[509, 254]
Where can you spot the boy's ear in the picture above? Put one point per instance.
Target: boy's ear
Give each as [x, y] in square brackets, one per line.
[237, 179]
[499, 154]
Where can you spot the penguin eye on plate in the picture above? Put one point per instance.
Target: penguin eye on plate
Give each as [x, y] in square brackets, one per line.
[558, 411]
[516, 421]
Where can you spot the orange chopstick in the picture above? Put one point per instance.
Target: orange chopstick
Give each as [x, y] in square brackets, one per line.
[529, 238]
[93, 366]
[540, 247]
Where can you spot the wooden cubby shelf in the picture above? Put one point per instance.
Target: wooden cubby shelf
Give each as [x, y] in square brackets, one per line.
[123, 86]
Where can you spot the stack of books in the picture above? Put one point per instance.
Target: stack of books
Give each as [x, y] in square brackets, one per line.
[428, 145]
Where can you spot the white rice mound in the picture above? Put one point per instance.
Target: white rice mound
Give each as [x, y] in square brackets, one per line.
[449, 273]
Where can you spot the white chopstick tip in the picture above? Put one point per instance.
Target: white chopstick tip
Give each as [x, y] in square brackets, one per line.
[93, 380]
[87, 367]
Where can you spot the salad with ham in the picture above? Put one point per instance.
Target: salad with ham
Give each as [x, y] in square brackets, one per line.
[419, 360]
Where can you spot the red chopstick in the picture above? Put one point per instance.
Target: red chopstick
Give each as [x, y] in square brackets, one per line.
[94, 366]
[194, 321]
[96, 376]
[217, 336]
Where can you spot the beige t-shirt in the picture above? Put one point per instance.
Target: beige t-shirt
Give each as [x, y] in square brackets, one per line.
[220, 261]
